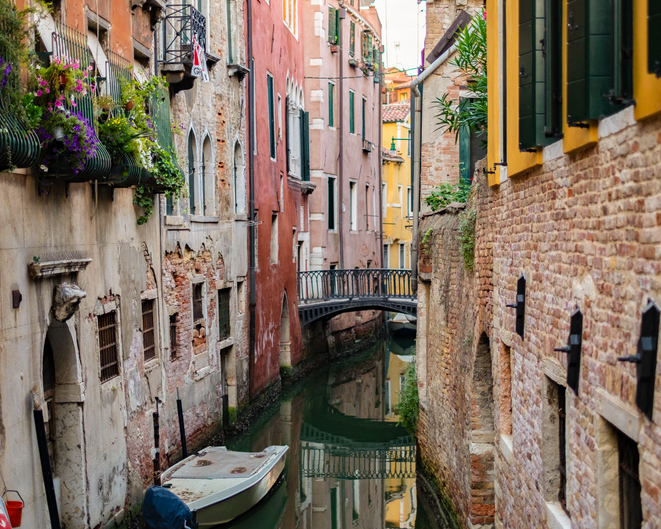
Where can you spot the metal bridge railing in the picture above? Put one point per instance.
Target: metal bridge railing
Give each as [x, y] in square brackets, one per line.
[338, 462]
[375, 283]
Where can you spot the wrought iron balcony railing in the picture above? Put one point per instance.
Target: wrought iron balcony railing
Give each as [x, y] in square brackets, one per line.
[72, 44]
[180, 24]
[323, 285]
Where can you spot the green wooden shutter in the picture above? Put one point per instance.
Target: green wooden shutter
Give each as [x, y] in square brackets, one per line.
[526, 75]
[464, 154]
[532, 75]
[305, 145]
[332, 25]
[623, 60]
[331, 203]
[330, 104]
[654, 37]
[352, 113]
[553, 69]
[369, 49]
[288, 152]
[352, 39]
[589, 59]
[269, 82]
[364, 113]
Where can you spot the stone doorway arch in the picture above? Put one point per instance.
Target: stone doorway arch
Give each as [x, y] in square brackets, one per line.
[285, 334]
[63, 412]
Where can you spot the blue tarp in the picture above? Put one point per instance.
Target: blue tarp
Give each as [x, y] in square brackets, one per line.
[164, 510]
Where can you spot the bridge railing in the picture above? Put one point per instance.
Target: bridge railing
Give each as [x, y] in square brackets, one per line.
[323, 285]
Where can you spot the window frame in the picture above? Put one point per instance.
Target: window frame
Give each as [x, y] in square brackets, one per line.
[224, 313]
[331, 109]
[146, 332]
[270, 96]
[113, 329]
[352, 112]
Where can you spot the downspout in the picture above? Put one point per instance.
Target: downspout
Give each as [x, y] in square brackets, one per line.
[416, 117]
[340, 171]
[380, 184]
[251, 183]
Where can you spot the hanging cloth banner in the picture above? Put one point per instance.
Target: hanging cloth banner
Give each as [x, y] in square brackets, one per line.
[199, 68]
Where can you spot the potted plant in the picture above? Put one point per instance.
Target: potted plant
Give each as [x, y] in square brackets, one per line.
[68, 139]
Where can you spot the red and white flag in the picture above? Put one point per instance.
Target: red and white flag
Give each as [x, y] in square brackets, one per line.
[199, 68]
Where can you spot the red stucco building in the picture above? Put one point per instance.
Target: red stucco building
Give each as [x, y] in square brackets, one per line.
[280, 186]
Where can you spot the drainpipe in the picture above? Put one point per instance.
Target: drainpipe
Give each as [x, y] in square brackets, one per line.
[340, 171]
[416, 117]
[251, 183]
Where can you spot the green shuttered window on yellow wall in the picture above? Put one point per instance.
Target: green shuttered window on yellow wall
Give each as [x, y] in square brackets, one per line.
[654, 37]
[540, 103]
[599, 58]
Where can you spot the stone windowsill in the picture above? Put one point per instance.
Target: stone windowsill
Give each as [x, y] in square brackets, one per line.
[204, 219]
[227, 342]
[174, 220]
[556, 516]
[241, 217]
[507, 448]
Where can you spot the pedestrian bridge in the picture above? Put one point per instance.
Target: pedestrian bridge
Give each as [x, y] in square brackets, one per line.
[323, 294]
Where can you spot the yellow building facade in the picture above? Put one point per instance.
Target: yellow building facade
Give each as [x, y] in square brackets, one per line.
[397, 197]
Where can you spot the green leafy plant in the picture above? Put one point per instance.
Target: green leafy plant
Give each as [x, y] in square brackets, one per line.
[427, 237]
[13, 53]
[466, 237]
[468, 113]
[167, 175]
[127, 128]
[445, 194]
[408, 407]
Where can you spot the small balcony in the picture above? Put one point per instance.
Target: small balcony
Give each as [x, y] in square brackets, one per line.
[182, 24]
[367, 146]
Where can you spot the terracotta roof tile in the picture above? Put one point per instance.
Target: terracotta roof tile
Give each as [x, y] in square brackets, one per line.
[395, 112]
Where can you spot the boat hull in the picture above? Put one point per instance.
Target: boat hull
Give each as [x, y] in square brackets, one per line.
[226, 510]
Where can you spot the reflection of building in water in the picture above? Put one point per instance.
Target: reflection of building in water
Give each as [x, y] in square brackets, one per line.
[349, 461]
[400, 492]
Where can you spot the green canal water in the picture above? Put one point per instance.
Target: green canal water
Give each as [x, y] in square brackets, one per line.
[349, 465]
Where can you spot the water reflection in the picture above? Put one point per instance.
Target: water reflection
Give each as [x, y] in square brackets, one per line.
[349, 464]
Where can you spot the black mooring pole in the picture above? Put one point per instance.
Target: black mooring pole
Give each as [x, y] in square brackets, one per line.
[42, 443]
[182, 430]
[157, 449]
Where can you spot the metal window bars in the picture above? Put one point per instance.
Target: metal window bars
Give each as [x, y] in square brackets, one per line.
[72, 44]
[180, 24]
[370, 283]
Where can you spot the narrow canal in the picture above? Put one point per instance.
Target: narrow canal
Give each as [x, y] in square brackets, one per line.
[350, 463]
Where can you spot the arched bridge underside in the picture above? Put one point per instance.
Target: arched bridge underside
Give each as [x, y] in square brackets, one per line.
[323, 294]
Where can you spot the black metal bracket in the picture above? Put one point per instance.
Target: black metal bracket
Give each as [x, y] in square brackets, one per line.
[502, 164]
[645, 358]
[527, 149]
[520, 305]
[486, 171]
[577, 124]
[574, 349]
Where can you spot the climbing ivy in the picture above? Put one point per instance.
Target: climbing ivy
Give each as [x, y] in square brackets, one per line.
[467, 220]
[408, 406]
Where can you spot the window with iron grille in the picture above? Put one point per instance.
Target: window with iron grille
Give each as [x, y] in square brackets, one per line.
[224, 326]
[631, 512]
[173, 336]
[198, 313]
[148, 341]
[108, 350]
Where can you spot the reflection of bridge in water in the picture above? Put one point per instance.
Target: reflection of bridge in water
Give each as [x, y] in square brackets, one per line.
[325, 455]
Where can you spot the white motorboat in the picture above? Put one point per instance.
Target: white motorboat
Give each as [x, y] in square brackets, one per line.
[218, 484]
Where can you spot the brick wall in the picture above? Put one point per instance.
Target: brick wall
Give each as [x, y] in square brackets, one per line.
[585, 230]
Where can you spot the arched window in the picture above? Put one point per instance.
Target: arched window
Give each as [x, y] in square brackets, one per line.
[207, 178]
[191, 173]
[239, 180]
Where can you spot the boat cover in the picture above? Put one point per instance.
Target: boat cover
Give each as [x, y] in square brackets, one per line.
[164, 510]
